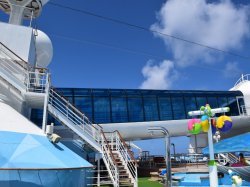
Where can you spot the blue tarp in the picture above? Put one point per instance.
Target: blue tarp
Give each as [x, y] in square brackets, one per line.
[240, 143]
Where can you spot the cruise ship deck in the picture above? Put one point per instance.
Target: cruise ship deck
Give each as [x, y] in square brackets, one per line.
[78, 137]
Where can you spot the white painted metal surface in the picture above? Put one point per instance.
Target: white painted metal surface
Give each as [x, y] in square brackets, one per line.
[13, 121]
[243, 85]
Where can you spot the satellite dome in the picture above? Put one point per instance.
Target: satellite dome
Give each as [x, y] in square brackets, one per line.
[44, 49]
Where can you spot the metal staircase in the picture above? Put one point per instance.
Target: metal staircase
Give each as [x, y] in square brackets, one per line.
[228, 158]
[124, 158]
[34, 85]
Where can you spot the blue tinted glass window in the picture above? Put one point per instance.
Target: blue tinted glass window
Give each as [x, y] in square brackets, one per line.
[178, 108]
[135, 109]
[165, 108]
[222, 101]
[190, 104]
[242, 105]
[101, 110]
[119, 110]
[37, 116]
[151, 109]
[212, 101]
[232, 103]
[201, 101]
[65, 91]
[85, 105]
[82, 92]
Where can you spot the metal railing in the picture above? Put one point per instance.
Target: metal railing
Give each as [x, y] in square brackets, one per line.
[232, 158]
[36, 81]
[243, 110]
[109, 160]
[13, 66]
[119, 145]
[5, 52]
[243, 78]
[75, 116]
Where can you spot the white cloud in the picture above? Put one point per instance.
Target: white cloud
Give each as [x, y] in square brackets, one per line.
[158, 76]
[232, 70]
[221, 25]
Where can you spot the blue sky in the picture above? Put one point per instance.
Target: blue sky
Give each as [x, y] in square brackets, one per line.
[90, 52]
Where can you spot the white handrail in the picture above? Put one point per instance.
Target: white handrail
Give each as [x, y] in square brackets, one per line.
[128, 161]
[243, 110]
[242, 79]
[109, 161]
[32, 79]
[73, 115]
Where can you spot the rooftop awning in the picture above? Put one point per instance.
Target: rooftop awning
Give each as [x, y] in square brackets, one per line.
[240, 143]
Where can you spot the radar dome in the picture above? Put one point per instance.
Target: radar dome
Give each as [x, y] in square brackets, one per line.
[44, 49]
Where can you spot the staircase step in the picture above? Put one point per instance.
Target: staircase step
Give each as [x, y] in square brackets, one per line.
[123, 175]
[129, 184]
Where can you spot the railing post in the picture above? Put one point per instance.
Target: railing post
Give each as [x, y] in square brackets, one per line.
[28, 81]
[67, 107]
[45, 106]
[98, 169]
[83, 123]
[31, 17]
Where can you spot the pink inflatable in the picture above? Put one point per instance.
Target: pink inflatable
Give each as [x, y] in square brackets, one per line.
[191, 123]
[237, 165]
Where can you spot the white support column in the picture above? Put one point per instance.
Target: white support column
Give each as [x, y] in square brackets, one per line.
[17, 10]
[16, 16]
[98, 169]
[45, 106]
[213, 177]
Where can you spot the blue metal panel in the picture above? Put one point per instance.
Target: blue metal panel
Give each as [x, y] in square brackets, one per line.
[20, 150]
[44, 178]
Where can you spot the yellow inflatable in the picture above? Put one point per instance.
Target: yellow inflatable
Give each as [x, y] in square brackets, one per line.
[204, 125]
[221, 120]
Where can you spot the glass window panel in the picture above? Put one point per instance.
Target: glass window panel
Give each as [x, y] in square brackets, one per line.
[69, 98]
[212, 101]
[190, 104]
[232, 103]
[222, 101]
[135, 109]
[151, 109]
[65, 91]
[119, 110]
[165, 108]
[178, 108]
[101, 110]
[37, 116]
[242, 105]
[201, 101]
[85, 105]
[82, 92]
[100, 92]
[118, 93]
